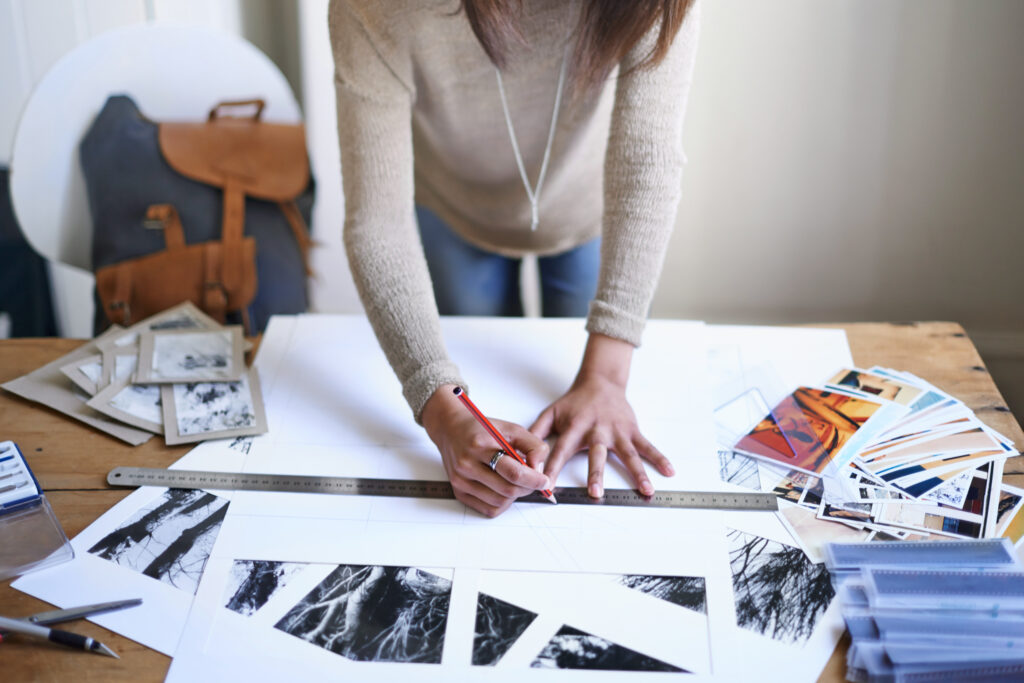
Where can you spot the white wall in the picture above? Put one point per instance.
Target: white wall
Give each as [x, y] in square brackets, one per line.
[36, 33]
[854, 160]
[332, 289]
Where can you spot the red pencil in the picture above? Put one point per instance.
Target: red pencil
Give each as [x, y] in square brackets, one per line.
[505, 445]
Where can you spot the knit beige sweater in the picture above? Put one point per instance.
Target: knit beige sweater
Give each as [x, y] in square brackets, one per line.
[420, 120]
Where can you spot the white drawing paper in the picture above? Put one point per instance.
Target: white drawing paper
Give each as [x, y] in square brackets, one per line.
[529, 561]
[580, 569]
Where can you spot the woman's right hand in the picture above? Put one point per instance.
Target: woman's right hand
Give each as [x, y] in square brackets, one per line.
[467, 448]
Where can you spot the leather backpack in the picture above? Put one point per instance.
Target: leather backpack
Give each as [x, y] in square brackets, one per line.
[213, 212]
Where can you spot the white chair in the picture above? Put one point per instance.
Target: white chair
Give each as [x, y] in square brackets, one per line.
[172, 72]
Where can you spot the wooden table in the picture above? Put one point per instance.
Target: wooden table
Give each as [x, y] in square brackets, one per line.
[71, 462]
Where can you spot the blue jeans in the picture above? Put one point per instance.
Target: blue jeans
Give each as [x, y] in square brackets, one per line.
[470, 281]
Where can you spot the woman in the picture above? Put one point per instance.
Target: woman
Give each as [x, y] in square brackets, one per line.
[506, 123]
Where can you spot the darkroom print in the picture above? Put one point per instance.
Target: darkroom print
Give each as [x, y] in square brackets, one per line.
[573, 649]
[242, 444]
[375, 614]
[189, 354]
[685, 591]
[213, 406]
[140, 400]
[170, 540]
[498, 625]
[739, 469]
[182, 321]
[252, 583]
[778, 591]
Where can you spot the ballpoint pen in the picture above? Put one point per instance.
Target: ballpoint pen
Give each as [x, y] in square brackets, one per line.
[75, 640]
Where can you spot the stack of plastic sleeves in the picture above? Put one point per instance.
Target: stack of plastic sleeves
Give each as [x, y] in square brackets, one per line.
[927, 611]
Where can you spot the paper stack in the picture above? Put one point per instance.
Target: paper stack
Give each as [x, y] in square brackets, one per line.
[882, 455]
[931, 611]
[178, 373]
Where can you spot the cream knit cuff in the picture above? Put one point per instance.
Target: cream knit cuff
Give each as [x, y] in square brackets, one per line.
[614, 322]
[422, 385]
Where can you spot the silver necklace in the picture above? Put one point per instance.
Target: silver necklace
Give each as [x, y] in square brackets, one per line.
[533, 193]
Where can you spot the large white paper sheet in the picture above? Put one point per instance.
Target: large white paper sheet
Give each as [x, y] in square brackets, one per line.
[335, 408]
[535, 559]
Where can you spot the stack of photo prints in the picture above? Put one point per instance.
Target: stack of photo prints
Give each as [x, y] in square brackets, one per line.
[876, 455]
[931, 611]
[178, 373]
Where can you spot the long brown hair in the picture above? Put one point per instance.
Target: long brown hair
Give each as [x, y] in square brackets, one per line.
[607, 31]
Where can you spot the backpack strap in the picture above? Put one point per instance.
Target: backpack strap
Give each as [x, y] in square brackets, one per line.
[294, 217]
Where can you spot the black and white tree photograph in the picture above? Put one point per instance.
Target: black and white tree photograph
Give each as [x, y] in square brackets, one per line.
[778, 591]
[572, 648]
[252, 583]
[169, 540]
[374, 613]
[685, 591]
[498, 625]
[736, 468]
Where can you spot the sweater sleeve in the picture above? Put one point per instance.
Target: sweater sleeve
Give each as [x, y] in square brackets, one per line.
[642, 181]
[374, 98]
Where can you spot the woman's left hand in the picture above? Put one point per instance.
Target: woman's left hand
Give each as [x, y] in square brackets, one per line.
[595, 416]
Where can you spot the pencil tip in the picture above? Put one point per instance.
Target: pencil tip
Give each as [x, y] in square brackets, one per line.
[553, 499]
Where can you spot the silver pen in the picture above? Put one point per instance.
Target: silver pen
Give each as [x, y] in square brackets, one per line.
[61, 615]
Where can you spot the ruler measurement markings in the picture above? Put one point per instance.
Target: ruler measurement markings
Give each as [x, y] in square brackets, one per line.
[132, 476]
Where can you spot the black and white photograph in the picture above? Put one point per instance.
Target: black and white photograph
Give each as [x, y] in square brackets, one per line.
[685, 591]
[184, 316]
[498, 625]
[242, 444]
[213, 410]
[736, 468]
[139, 405]
[572, 648]
[169, 540]
[118, 366]
[169, 356]
[85, 373]
[373, 613]
[253, 582]
[778, 591]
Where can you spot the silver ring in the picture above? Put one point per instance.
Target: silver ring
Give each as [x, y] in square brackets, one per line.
[494, 460]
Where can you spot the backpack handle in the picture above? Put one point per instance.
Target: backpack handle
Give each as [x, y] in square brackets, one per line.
[215, 113]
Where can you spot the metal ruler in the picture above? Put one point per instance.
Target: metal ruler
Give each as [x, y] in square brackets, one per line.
[405, 488]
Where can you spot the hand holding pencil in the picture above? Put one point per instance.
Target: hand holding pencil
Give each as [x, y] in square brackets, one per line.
[468, 449]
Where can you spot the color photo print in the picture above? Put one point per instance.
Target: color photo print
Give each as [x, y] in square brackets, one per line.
[169, 540]
[807, 429]
[778, 592]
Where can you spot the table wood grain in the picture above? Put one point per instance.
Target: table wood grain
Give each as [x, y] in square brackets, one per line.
[71, 461]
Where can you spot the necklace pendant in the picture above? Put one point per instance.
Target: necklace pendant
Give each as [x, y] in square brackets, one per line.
[534, 216]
